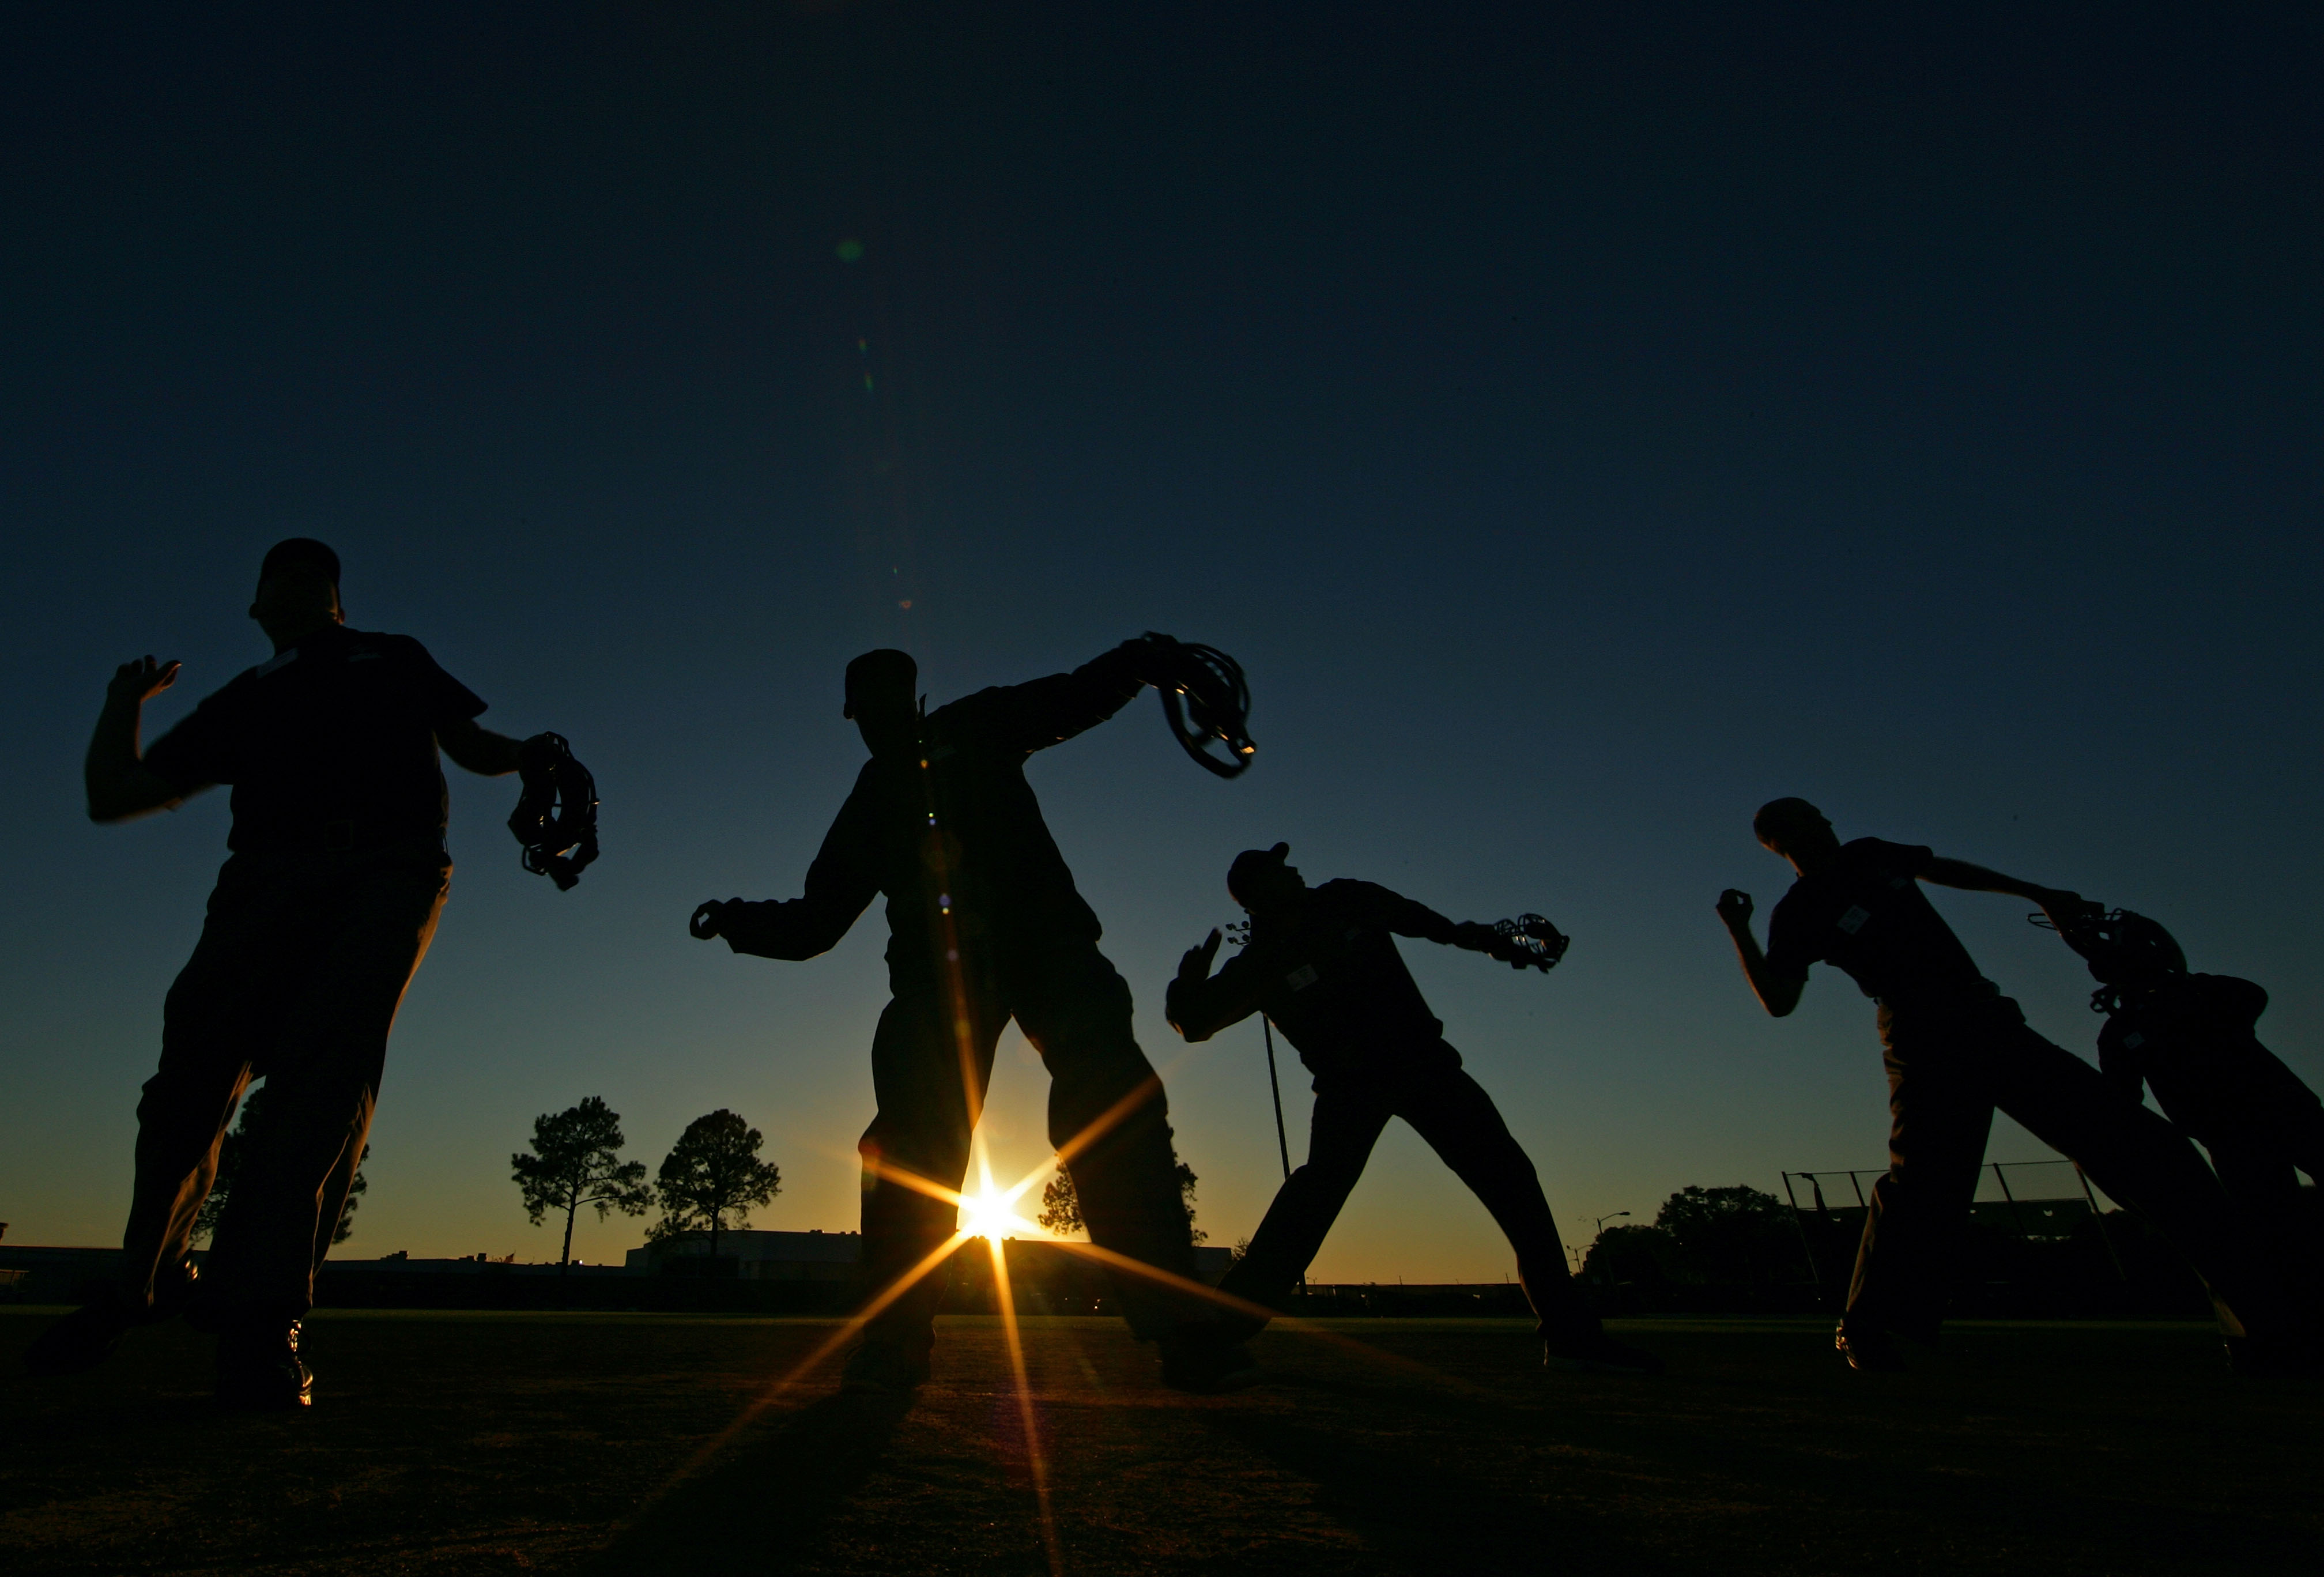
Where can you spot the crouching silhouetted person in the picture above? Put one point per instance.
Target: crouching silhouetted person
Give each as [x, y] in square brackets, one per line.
[1322, 965]
[1957, 1050]
[318, 921]
[2194, 1040]
[985, 925]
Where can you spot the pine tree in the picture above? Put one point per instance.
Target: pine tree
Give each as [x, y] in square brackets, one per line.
[575, 1160]
[712, 1178]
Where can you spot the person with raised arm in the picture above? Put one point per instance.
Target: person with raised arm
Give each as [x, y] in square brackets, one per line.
[320, 915]
[1322, 964]
[985, 925]
[1956, 1051]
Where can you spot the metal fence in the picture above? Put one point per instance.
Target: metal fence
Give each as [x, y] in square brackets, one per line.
[2046, 1202]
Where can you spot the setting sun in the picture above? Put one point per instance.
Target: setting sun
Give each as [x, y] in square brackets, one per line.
[986, 1214]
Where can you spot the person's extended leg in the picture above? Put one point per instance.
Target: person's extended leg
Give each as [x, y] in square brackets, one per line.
[1452, 1112]
[220, 1015]
[1940, 1114]
[322, 1087]
[931, 1060]
[212, 1021]
[1344, 1126]
[2265, 1187]
[2142, 1160]
[1109, 1119]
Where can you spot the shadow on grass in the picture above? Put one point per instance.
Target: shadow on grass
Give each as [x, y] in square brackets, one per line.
[1424, 1518]
[764, 1503]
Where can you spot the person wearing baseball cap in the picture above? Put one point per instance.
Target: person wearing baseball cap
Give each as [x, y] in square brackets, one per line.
[985, 925]
[1957, 1051]
[321, 914]
[1321, 964]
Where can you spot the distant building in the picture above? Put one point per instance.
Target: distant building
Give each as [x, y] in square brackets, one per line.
[752, 1256]
[816, 1256]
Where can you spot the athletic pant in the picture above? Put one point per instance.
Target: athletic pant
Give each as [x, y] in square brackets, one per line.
[1452, 1112]
[1945, 1080]
[297, 978]
[931, 1062]
[2256, 1158]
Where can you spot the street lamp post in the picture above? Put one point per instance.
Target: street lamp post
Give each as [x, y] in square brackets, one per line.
[1598, 1232]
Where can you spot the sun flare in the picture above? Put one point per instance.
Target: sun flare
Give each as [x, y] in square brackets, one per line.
[986, 1214]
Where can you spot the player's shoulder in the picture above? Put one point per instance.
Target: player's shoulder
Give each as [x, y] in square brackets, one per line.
[373, 645]
[1349, 894]
[1881, 852]
[957, 722]
[2227, 991]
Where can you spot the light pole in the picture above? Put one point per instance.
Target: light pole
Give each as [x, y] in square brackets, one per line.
[1598, 1232]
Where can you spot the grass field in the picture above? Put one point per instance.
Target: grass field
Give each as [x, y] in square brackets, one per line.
[455, 1443]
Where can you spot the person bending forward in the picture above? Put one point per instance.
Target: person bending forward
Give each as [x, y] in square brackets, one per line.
[2194, 1040]
[1323, 965]
[1956, 1050]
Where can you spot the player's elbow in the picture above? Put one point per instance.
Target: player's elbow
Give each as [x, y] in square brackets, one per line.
[111, 804]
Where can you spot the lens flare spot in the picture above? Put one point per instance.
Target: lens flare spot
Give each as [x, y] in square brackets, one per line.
[986, 1214]
[850, 250]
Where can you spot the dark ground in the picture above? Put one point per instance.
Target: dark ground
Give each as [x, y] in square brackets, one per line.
[502, 1443]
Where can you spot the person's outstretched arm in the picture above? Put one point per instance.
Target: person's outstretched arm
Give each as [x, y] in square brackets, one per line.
[470, 745]
[1043, 712]
[1777, 991]
[840, 886]
[1375, 905]
[2060, 905]
[1198, 1003]
[119, 783]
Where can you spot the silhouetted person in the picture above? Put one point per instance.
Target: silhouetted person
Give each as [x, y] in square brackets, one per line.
[984, 925]
[1956, 1050]
[1321, 964]
[318, 918]
[2194, 1040]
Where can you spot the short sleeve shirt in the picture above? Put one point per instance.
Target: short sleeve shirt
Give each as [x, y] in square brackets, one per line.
[327, 745]
[1869, 916]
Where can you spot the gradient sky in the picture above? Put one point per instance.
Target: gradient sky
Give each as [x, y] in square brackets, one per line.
[1582, 428]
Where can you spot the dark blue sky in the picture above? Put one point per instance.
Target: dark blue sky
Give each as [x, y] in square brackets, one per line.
[1583, 428]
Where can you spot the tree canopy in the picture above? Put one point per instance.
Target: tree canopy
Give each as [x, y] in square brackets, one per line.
[1732, 1234]
[1725, 1235]
[576, 1159]
[712, 1178]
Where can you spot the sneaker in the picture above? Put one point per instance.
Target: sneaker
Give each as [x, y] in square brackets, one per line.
[880, 1367]
[1206, 1364]
[1597, 1353]
[1870, 1350]
[259, 1369]
[82, 1340]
